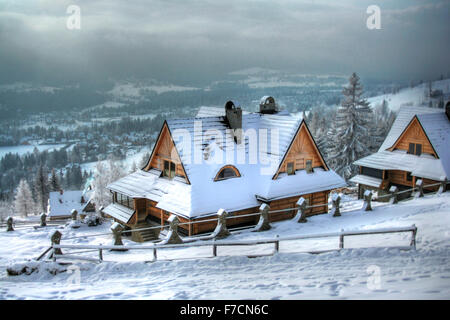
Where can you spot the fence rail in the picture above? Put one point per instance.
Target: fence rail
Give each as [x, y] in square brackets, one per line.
[223, 243]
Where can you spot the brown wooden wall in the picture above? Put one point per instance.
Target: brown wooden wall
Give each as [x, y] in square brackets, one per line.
[165, 150]
[302, 149]
[399, 177]
[414, 134]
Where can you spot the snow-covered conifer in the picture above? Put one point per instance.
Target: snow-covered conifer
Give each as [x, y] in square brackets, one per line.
[351, 141]
[24, 203]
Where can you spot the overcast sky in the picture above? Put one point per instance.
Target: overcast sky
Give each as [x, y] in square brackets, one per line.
[185, 41]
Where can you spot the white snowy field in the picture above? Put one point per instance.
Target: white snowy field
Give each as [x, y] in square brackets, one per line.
[378, 272]
[410, 96]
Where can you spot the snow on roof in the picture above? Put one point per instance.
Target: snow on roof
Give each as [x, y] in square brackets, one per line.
[63, 204]
[366, 180]
[404, 117]
[205, 112]
[119, 212]
[437, 128]
[204, 196]
[425, 166]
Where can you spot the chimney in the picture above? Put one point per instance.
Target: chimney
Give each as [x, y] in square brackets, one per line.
[233, 113]
[267, 105]
[447, 110]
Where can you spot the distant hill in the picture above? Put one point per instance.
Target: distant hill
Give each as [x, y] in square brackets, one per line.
[415, 96]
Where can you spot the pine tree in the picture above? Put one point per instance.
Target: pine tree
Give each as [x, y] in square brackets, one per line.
[54, 182]
[41, 189]
[351, 141]
[23, 202]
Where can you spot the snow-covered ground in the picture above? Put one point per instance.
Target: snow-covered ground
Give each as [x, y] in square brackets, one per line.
[410, 96]
[378, 272]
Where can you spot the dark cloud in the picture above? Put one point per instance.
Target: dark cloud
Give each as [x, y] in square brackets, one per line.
[196, 41]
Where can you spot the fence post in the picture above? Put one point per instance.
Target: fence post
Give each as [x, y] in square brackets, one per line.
[75, 223]
[101, 211]
[214, 248]
[419, 185]
[413, 237]
[335, 200]
[301, 210]
[263, 223]
[277, 244]
[341, 239]
[43, 219]
[100, 253]
[221, 230]
[74, 214]
[172, 236]
[367, 200]
[394, 195]
[442, 187]
[9, 224]
[56, 239]
[117, 229]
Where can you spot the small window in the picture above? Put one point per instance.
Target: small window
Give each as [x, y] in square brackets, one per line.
[418, 149]
[308, 165]
[411, 148]
[290, 168]
[169, 169]
[227, 172]
[409, 176]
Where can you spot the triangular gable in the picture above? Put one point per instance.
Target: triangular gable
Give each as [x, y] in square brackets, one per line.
[302, 147]
[165, 148]
[414, 133]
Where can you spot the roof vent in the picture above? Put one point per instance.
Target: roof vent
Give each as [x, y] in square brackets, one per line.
[267, 105]
[233, 114]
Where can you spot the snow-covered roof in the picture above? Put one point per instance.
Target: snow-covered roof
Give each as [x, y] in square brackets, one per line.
[404, 117]
[63, 204]
[205, 112]
[119, 212]
[204, 196]
[425, 166]
[366, 180]
[437, 128]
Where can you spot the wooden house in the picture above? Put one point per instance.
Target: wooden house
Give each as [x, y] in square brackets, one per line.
[225, 158]
[416, 147]
[61, 203]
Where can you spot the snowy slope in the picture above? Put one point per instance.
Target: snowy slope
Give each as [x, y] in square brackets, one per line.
[375, 273]
[410, 96]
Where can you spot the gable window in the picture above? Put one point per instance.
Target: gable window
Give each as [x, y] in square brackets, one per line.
[227, 172]
[418, 149]
[415, 148]
[290, 168]
[169, 169]
[308, 166]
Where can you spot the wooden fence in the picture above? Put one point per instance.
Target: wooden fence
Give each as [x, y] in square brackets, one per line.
[57, 250]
